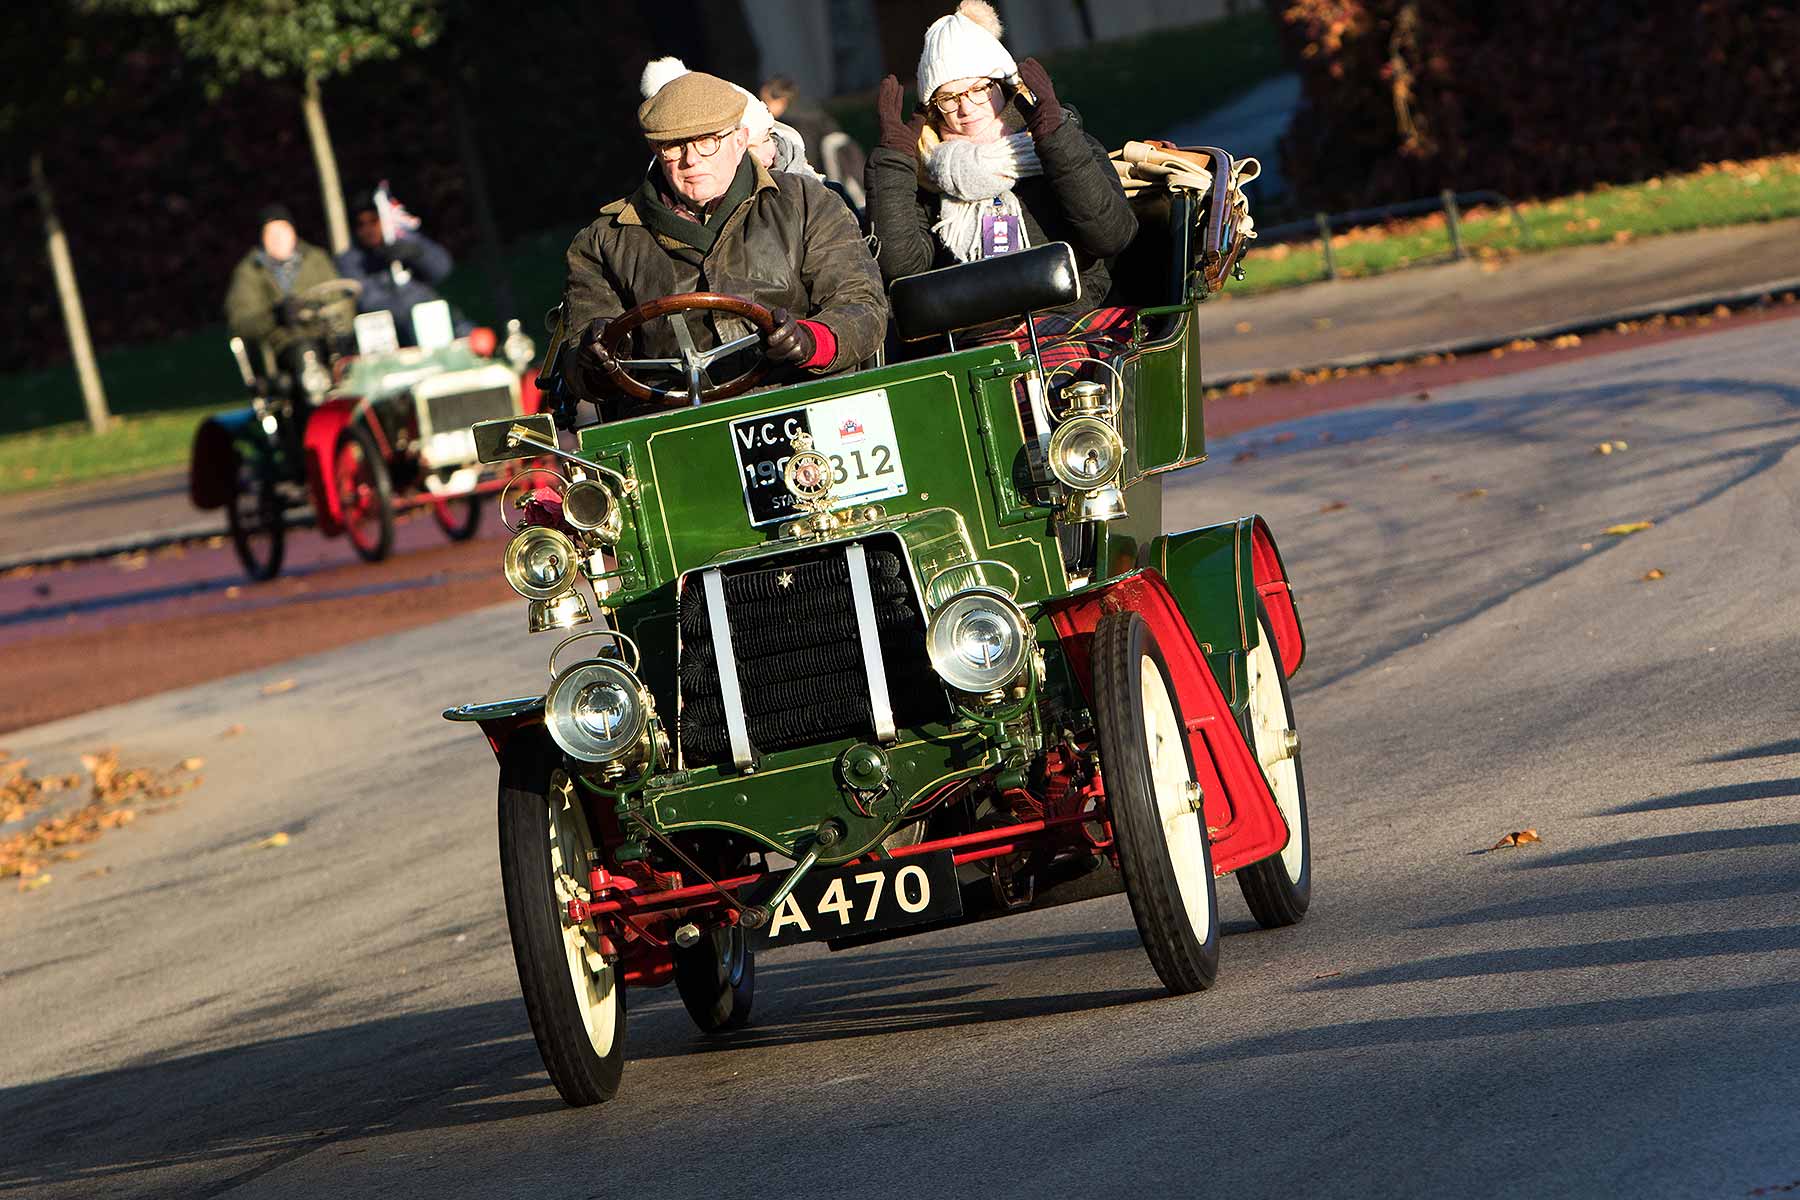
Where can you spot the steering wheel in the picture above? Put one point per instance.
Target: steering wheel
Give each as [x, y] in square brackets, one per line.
[332, 302]
[693, 362]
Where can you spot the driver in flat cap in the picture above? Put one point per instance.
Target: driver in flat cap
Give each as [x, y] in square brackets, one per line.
[709, 218]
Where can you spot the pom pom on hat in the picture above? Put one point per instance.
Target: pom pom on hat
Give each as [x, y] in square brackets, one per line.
[659, 71]
[982, 13]
[964, 45]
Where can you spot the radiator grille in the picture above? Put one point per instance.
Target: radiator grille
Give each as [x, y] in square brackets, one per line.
[459, 410]
[799, 656]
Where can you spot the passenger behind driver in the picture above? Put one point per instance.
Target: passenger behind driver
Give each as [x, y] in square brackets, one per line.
[397, 265]
[708, 217]
[259, 303]
[983, 171]
[776, 146]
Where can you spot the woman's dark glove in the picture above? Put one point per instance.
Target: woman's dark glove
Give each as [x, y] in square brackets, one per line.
[890, 117]
[1046, 116]
[792, 341]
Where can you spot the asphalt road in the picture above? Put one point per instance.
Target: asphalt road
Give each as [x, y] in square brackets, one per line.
[1611, 1012]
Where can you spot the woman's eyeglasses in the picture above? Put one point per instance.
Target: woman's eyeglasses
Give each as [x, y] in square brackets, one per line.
[705, 146]
[975, 96]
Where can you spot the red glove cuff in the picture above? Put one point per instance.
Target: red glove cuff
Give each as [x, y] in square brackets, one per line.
[824, 345]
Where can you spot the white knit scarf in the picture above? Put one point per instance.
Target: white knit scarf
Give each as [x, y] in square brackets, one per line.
[971, 175]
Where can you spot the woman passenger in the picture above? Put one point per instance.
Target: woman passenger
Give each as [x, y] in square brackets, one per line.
[984, 171]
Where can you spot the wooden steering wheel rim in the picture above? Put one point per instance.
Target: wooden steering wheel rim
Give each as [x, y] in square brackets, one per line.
[633, 319]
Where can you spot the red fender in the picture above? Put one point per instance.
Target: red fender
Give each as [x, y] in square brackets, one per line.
[323, 426]
[500, 730]
[1277, 596]
[1246, 826]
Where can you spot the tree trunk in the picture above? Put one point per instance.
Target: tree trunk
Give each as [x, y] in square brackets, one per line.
[493, 265]
[68, 295]
[326, 160]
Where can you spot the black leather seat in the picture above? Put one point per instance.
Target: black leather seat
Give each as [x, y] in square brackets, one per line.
[943, 301]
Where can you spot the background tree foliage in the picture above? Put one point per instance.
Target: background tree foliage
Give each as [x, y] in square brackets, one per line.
[305, 38]
[1532, 97]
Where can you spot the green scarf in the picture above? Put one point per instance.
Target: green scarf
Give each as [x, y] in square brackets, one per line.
[656, 213]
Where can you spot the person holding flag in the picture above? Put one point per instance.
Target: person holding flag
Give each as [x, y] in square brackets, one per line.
[397, 265]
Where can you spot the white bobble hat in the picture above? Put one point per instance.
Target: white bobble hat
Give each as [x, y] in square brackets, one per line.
[963, 45]
[658, 72]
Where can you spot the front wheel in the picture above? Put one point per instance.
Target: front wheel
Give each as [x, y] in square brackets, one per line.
[717, 979]
[458, 516]
[573, 994]
[257, 520]
[365, 494]
[1165, 853]
[1279, 888]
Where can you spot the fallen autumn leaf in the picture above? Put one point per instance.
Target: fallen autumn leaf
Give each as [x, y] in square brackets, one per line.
[274, 840]
[278, 687]
[1518, 837]
[1628, 527]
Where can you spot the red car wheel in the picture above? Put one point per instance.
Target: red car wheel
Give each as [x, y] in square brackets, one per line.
[365, 494]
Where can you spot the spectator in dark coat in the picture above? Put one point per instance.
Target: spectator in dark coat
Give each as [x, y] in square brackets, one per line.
[397, 274]
[983, 170]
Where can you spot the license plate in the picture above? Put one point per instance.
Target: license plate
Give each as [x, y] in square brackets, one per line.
[848, 902]
[854, 433]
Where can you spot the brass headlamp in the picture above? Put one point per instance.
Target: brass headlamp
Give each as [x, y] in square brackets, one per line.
[591, 507]
[1087, 455]
[541, 565]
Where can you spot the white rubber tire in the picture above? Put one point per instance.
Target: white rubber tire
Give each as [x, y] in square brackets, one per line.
[574, 997]
[1279, 888]
[1165, 853]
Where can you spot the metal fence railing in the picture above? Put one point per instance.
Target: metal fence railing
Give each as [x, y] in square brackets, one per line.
[1322, 225]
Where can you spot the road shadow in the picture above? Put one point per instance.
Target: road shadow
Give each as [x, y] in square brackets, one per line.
[1686, 891]
[1730, 793]
[1499, 1023]
[245, 1110]
[1623, 952]
[1767, 750]
[199, 1124]
[918, 988]
[1754, 837]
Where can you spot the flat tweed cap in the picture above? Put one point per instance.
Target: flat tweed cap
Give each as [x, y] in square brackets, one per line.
[691, 105]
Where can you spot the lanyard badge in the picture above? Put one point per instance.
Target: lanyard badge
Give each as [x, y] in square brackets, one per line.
[1000, 231]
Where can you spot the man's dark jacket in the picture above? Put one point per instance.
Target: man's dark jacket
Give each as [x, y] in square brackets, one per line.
[428, 263]
[1078, 200]
[791, 244]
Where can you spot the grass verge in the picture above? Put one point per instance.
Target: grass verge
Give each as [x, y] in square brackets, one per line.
[71, 453]
[1716, 195]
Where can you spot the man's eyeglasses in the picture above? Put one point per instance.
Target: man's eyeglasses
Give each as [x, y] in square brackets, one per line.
[975, 96]
[705, 146]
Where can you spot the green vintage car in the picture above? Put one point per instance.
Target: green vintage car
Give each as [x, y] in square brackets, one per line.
[889, 651]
